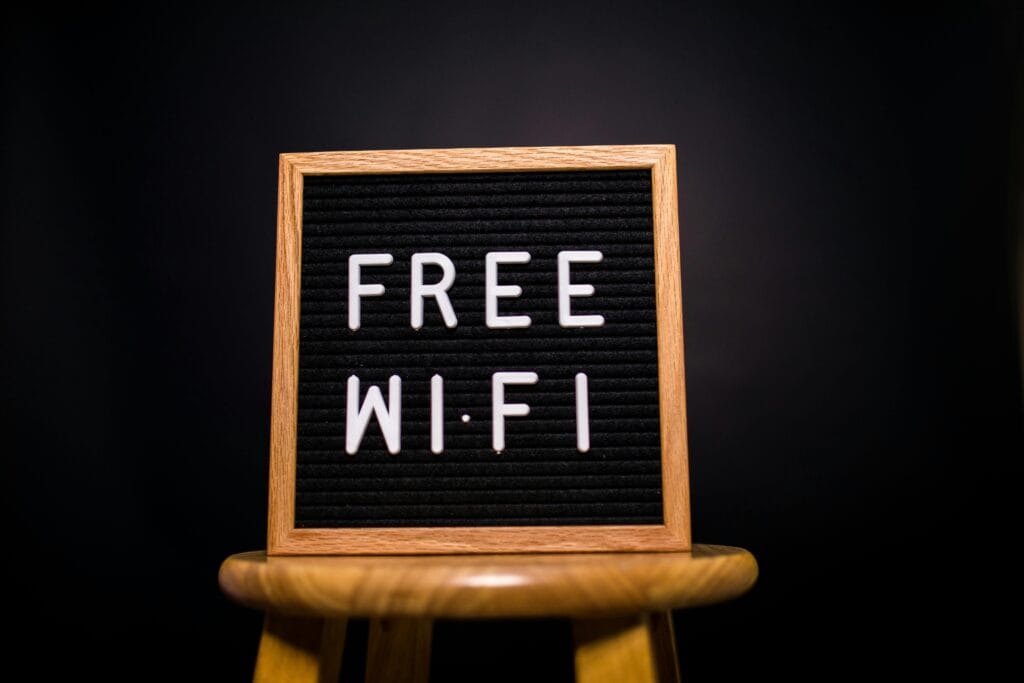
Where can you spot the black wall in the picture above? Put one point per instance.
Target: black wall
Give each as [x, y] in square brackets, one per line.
[849, 198]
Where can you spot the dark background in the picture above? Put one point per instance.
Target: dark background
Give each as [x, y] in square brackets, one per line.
[850, 210]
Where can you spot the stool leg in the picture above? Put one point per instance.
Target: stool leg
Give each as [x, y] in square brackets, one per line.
[399, 651]
[618, 650]
[663, 636]
[300, 650]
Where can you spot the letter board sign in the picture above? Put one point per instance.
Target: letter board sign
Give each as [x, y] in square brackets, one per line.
[478, 350]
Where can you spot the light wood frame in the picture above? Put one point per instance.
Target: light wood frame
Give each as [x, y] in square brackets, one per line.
[673, 535]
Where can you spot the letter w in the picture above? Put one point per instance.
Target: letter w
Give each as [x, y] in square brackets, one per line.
[390, 417]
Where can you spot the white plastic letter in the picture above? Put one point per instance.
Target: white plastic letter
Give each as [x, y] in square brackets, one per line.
[493, 291]
[500, 410]
[389, 418]
[582, 413]
[567, 290]
[436, 414]
[356, 289]
[419, 291]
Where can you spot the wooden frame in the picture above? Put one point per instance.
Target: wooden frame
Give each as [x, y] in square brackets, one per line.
[674, 535]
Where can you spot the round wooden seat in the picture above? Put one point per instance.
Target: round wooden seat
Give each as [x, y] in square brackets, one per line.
[619, 604]
[467, 586]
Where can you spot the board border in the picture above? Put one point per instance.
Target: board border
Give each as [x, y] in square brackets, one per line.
[673, 535]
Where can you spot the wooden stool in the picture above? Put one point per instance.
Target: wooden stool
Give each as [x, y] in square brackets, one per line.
[619, 604]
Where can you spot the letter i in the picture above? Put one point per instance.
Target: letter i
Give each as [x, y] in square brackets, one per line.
[582, 413]
[436, 414]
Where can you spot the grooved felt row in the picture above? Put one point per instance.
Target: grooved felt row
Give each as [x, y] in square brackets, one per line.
[540, 478]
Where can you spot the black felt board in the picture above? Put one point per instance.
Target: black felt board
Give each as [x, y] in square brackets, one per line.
[541, 478]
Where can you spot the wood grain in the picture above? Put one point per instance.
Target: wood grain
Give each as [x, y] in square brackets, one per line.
[617, 650]
[588, 584]
[299, 649]
[399, 650]
[284, 399]
[475, 160]
[459, 540]
[675, 472]
[674, 535]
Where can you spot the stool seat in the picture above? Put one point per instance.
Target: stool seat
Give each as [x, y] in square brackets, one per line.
[467, 586]
[619, 605]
